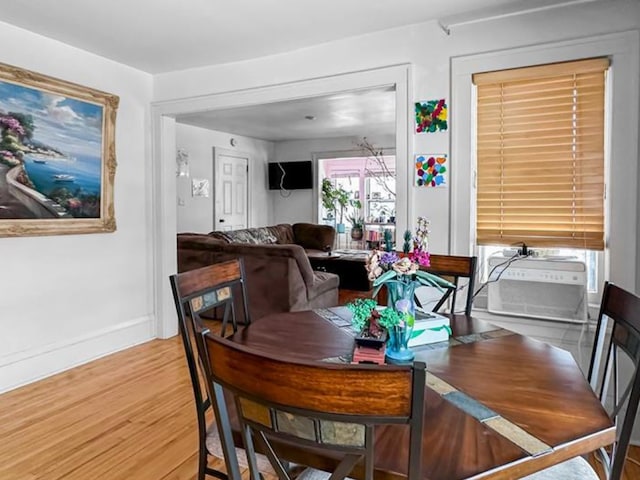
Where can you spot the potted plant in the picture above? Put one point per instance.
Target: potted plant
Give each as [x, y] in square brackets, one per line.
[333, 199]
[365, 320]
[328, 197]
[342, 200]
[357, 221]
[357, 226]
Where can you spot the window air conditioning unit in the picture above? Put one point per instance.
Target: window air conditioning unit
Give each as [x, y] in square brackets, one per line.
[547, 288]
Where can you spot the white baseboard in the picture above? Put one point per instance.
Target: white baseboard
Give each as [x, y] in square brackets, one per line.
[28, 366]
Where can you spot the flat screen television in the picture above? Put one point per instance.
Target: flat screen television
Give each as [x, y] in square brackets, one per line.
[290, 175]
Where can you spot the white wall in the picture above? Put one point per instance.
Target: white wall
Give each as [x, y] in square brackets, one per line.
[430, 51]
[196, 214]
[299, 206]
[68, 299]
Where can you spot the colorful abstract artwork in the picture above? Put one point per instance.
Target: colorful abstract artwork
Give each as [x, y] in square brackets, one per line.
[431, 170]
[431, 116]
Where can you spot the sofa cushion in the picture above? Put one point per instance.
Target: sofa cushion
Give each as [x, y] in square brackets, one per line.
[314, 237]
[283, 232]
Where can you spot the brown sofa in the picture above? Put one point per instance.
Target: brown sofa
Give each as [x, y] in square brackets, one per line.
[278, 274]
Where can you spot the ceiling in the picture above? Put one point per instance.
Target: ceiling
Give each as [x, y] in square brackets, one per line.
[161, 35]
[164, 35]
[359, 113]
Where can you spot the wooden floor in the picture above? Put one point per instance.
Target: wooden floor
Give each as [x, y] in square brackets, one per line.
[129, 416]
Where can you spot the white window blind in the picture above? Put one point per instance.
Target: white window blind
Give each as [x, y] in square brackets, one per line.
[540, 154]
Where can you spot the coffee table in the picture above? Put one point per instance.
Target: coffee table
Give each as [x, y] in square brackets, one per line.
[348, 264]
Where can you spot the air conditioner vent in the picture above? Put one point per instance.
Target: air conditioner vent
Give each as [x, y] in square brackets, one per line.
[542, 288]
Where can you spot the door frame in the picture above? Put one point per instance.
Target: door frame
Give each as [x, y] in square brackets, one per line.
[163, 164]
[233, 153]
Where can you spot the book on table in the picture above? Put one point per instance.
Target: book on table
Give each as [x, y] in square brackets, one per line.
[429, 327]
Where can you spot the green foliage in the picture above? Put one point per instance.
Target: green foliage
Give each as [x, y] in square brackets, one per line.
[431, 280]
[388, 242]
[26, 120]
[342, 200]
[78, 204]
[389, 318]
[406, 246]
[328, 201]
[388, 275]
[10, 142]
[361, 309]
[356, 222]
[337, 199]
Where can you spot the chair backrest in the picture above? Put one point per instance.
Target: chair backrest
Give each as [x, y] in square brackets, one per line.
[325, 406]
[212, 287]
[453, 268]
[196, 292]
[622, 309]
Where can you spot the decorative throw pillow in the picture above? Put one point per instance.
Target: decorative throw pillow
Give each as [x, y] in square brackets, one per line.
[264, 235]
[255, 236]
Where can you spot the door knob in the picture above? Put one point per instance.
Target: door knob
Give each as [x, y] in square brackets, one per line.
[221, 220]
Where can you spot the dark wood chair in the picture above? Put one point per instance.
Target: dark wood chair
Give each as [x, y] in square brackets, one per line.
[324, 406]
[196, 292]
[453, 268]
[620, 310]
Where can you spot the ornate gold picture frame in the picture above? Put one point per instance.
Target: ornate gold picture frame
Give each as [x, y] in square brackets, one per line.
[57, 156]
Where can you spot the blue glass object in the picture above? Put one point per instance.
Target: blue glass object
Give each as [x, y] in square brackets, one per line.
[397, 349]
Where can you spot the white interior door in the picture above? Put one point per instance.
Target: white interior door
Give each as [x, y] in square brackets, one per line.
[231, 197]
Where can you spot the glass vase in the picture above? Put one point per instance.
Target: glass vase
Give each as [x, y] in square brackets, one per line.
[402, 290]
[397, 350]
[397, 344]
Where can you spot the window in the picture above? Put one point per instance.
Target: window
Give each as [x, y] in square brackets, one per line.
[540, 155]
[371, 181]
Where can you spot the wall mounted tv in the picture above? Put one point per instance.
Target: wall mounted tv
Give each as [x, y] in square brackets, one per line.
[290, 175]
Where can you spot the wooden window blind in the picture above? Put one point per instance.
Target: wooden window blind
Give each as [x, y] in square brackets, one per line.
[540, 154]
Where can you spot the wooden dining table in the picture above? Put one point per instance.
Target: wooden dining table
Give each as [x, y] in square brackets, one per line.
[497, 405]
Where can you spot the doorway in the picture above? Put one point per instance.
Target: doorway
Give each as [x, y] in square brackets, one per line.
[163, 195]
[231, 190]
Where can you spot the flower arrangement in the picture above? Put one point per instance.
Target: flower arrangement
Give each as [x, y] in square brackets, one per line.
[385, 267]
[401, 274]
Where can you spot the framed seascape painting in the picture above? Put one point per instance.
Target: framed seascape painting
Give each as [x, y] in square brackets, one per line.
[57, 156]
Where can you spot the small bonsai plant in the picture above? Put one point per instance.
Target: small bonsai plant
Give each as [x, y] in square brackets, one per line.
[361, 319]
[366, 320]
[372, 324]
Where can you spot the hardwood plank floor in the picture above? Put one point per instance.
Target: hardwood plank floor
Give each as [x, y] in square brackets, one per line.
[128, 416]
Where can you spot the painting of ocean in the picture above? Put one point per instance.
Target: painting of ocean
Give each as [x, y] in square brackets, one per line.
[57, 141]
[80, 174]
